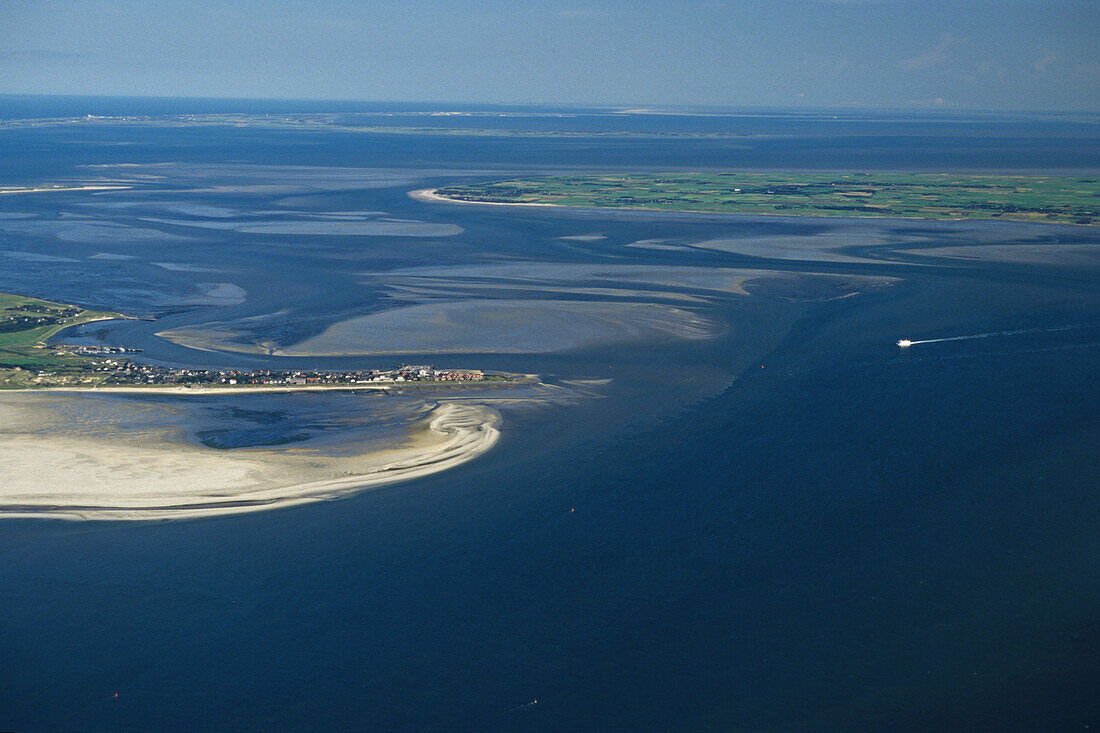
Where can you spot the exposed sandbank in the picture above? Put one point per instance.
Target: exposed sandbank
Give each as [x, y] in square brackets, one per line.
[519, 308]
[50, 471]
[1069, 255]
[429, 194]
[64, 188]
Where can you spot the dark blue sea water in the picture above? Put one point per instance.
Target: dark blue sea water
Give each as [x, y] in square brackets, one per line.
[791, 525]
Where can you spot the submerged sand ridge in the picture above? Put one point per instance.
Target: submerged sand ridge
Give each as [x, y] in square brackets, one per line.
[50, 471]
[524, 308]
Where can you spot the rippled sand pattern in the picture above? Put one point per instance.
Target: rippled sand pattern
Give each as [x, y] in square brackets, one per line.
[503, 326]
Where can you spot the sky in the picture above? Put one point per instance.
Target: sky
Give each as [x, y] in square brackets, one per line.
[948, 54]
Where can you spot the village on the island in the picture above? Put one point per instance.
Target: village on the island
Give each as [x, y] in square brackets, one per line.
[29, 361]
[117, 370]
[127, 372]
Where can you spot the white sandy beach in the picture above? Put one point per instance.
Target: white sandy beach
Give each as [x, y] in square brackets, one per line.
[430, 195]
[51, 471]
[63, 188]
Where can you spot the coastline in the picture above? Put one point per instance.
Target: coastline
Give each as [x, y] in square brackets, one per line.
[156, 476]
[430, 195]
[185, 390]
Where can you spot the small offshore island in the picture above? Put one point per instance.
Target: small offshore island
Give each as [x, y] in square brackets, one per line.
[28, 362]
[1053, 199]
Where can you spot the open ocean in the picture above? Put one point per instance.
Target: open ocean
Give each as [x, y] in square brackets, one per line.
[781, 523]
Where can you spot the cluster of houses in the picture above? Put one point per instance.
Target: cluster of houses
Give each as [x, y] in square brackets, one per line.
[137, 373]
[26, 316]
[83, 350]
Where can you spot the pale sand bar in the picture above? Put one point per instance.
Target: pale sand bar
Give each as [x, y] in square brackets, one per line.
[429, 194]
[49, 471]
[63, 188]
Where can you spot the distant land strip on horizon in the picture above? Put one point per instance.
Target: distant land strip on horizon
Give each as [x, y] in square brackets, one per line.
[945, 196]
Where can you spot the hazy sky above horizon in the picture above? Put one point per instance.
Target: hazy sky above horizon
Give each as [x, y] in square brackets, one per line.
[969, 54]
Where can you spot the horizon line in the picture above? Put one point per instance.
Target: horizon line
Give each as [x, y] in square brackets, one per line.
[617, 106]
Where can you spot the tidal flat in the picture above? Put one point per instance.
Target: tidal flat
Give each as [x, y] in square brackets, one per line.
[92, 456]
[779, 520]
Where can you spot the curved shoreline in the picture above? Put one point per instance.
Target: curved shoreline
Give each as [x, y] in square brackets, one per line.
[430, 195]
[77, 478]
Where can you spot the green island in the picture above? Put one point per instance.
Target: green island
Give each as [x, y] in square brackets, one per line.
[28, 362]
[1056, 199]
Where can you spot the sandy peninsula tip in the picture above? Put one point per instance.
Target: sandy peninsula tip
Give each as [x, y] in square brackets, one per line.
[52, 473]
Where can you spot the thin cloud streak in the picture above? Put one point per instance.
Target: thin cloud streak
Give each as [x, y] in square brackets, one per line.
[938, 55]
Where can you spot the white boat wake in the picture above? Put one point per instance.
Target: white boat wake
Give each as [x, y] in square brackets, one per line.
[906, 343]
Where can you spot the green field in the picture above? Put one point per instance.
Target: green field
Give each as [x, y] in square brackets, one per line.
[1058, 199]
[25, 325]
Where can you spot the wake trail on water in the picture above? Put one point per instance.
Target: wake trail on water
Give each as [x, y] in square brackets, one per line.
[992, 334]
[943, 357]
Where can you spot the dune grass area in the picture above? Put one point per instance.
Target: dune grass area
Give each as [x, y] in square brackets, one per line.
[25, 326]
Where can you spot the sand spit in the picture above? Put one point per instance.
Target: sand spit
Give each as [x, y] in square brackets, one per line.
[431, 195]
[55, 473]
[51, 189]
